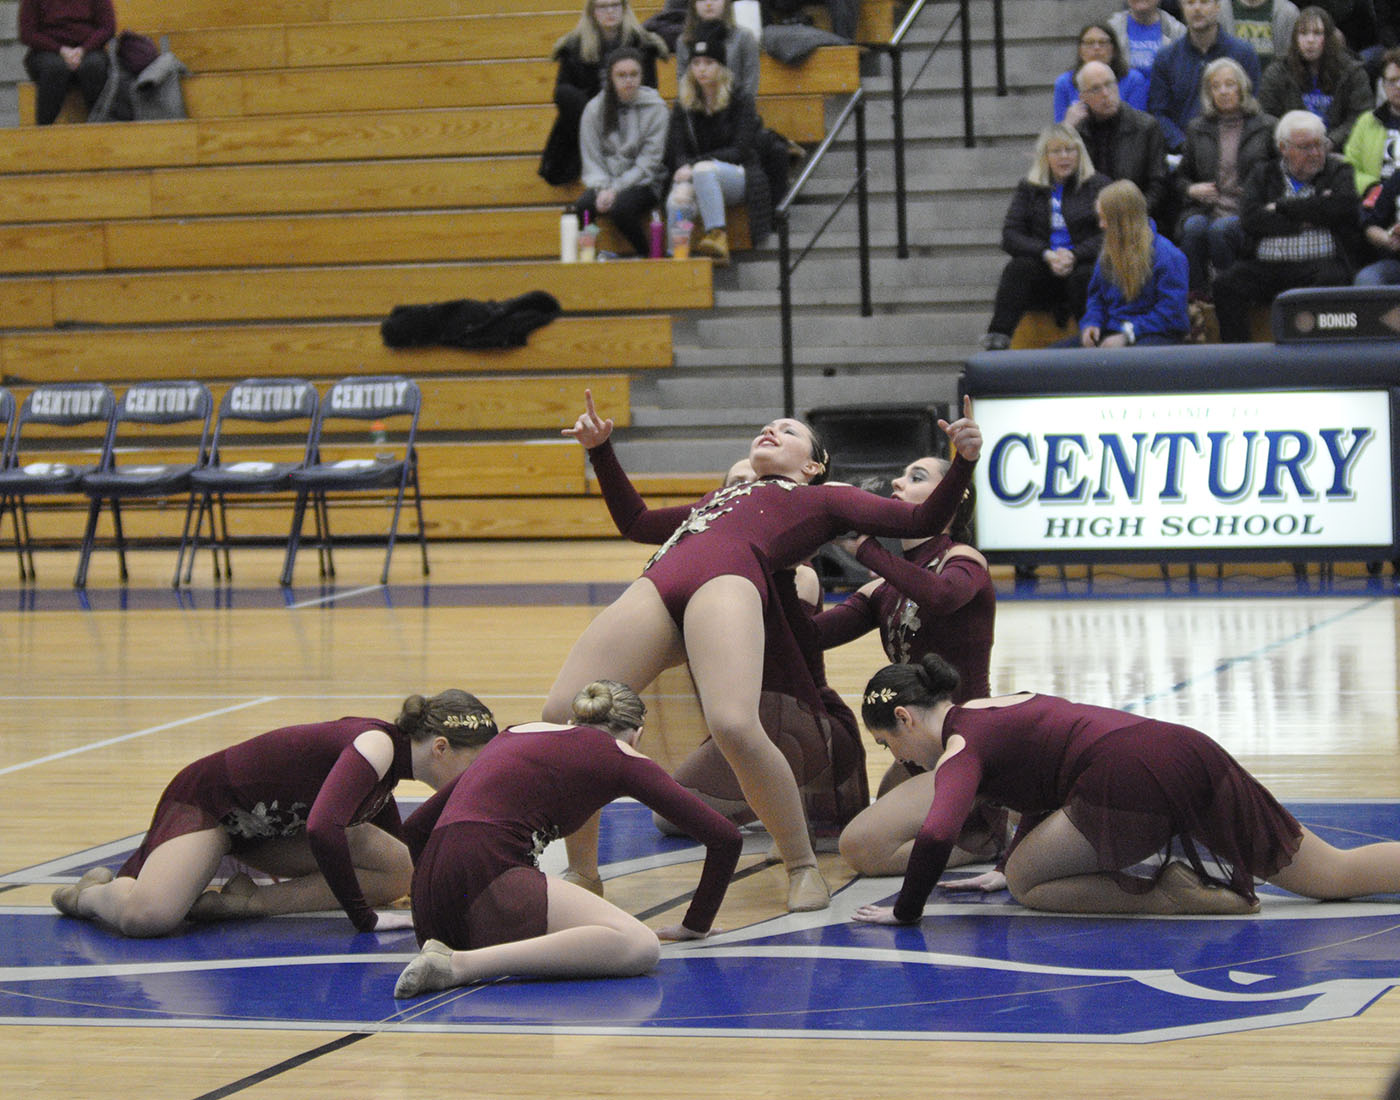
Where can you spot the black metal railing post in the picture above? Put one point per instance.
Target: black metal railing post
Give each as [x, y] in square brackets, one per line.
[965, 18]
[863, 212]
[999, 44]
[785, 309]
[901, 205]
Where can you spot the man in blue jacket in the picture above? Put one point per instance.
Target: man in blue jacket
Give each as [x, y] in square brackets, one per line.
[1174, 90]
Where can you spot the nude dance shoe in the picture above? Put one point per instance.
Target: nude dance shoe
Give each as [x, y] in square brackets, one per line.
[428, 973]
[234, 902]
[65, 898]
[1190, 895]
[807, 890]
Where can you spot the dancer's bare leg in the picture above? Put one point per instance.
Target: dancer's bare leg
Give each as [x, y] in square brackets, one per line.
[156, 901]
[633, 640]
[1319, 870]
[585, 937]
[878, 840]
[382, 866]
[1056, 869]
[724, 642]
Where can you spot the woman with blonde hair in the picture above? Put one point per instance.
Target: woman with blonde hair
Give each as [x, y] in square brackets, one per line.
[481, 906]
[604, 26]
[1223, 144]
[1138, 292]
[1051, 234]
[712, 147]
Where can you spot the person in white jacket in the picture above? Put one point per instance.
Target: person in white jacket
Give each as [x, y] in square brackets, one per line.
[622, 141]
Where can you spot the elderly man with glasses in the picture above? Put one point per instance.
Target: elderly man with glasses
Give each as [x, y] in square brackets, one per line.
[1300, 217]
[1123, 142]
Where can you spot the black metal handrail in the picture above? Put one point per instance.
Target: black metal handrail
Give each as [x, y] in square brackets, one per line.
[855, 108]
[899, 93]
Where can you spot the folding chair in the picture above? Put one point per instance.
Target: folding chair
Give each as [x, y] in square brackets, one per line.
[265, 401]
[173, 404]
[385, 400]
[74, 418]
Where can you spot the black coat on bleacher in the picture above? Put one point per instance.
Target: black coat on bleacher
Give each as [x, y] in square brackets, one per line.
[1026, 230]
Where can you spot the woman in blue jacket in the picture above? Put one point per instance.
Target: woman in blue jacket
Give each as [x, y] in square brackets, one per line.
[1138, 291]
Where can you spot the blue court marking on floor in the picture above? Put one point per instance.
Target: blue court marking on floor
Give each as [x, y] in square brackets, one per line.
[975, 968]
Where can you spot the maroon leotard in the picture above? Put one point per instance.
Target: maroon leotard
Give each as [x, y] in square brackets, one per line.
[754, 529]
[808, 721]
[476, 842]
[921, 609]
[1129, 784]
[296, 779]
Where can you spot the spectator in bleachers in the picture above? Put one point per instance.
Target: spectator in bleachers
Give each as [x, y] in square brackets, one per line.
[1267, 25]
[1052, 234]
[1223, 144]
[1143, 29]
[622, 139]
[1138, 292]
[712, 148]
[1357, 22]
[1123, 142]
[740, 46]
[1373, 149]
[1299, 216]
[1097, 43]
[1382, 229]
[1174, 94]
[604, 26]
[1318, 75]
[65, 40]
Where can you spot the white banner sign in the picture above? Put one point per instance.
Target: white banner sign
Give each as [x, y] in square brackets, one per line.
[1185, 471]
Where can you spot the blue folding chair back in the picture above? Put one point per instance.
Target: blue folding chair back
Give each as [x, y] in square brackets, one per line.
[58, 429]
[390, 406]
[172, 405]
[236, 467]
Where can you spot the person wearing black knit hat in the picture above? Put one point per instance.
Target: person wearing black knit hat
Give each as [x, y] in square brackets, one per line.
[712, 147]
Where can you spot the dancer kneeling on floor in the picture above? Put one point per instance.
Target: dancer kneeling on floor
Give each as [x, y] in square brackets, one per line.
[481, 906]
[311, 804]
[1100, 791]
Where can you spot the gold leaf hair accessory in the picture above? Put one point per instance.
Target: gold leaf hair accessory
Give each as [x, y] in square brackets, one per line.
[884, 695]
[470, 721]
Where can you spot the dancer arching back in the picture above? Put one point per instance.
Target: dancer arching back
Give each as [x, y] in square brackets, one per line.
[703, 595]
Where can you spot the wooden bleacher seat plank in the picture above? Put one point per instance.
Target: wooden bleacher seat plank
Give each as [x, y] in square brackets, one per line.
[340, 239]
[635, 342]
[80, 148]
[352, 10]
[26, 303]
[373, 185]
[831, 70]
[74, 196]
[155, 17]
[358, 135]
[352, 135]
[26, 249]
[294, 294]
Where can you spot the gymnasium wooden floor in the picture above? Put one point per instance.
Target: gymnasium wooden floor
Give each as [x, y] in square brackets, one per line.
[106, 695]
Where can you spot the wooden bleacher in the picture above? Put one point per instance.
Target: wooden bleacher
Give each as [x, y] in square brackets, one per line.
[338, 163]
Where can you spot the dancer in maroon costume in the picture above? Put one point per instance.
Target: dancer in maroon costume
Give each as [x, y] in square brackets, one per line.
[802, 715]
[937, 598]
[703, 597]
[311, 804]
[1099, 791]
[481, 906]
